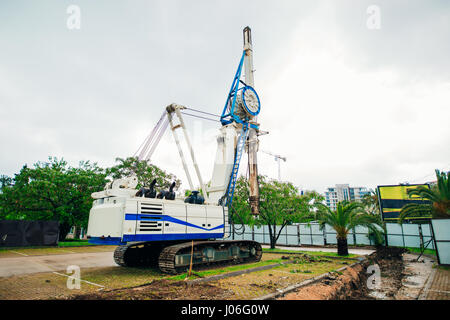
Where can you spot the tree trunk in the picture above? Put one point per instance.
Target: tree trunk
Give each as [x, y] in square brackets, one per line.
[77, 232]
[272, 243]
[273, 237]
[342, 247]
[63, 231]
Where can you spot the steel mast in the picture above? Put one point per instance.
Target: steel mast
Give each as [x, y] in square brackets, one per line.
[252, 141]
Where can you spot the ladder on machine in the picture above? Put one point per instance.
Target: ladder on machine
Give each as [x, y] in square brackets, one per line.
[237, 160]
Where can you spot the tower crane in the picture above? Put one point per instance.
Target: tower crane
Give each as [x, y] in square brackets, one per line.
[278, 158]
[160, 228]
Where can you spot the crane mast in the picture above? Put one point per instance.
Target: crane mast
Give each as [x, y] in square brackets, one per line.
[253, 142]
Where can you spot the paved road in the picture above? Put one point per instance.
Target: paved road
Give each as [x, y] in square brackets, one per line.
[55, 262]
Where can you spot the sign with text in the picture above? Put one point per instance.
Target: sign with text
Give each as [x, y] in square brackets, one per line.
[393, 198]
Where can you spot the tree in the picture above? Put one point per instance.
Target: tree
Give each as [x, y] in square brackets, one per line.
[5, 181]
[347, 216]
[371, 203]
[53, 191]
[145, 172]
[280, 205]
[438, 197]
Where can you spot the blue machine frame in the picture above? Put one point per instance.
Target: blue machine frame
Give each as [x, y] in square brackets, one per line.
[228, 118]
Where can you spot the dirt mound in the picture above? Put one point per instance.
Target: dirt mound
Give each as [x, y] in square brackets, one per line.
[160, 290]
[300, 258]
[388, 253]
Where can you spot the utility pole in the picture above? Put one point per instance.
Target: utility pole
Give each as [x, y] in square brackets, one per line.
[253, 134]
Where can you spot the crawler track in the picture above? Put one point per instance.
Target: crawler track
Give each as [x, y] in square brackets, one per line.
[175, 258]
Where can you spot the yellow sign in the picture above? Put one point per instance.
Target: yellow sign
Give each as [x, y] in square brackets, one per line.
[394, 198]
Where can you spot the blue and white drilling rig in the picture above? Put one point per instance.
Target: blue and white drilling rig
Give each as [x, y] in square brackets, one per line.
[151, 228]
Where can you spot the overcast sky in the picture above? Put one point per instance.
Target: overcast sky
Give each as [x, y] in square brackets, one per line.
[343, 100]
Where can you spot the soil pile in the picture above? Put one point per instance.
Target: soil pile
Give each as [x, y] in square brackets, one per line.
[160, 290]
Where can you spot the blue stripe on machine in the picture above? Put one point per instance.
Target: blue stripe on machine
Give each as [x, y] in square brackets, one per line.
[107, 241]
[135, 217]
[173, 236]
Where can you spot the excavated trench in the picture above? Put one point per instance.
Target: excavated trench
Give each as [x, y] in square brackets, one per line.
[352, 283]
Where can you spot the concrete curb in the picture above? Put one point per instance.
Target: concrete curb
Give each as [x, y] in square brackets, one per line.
[282, 292]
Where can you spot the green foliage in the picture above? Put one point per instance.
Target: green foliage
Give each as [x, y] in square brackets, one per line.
[438, 197]
[52, 191]
[347, 216]
[371, 203]
[55, 191]
[280, 205]
[5, 181]
[145, 172]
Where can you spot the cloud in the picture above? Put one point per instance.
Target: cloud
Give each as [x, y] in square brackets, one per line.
[343, 103]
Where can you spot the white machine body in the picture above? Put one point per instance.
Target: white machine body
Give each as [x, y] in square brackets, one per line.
[121, 219]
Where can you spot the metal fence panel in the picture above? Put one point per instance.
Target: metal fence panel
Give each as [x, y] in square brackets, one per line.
[317, 235]
[411, 235]
[305, 239]
[291, 230]
[362, 239]
[259, 235]
[266, 233]
[292, 235]
[318, 240]
[394, 234]
[441, 231]
[331, 238]
[412, 241]
[292, 240]
[310, 234]
[282, 238]
[426, 232]
[362, 235]
[350, 239]
[411, 229]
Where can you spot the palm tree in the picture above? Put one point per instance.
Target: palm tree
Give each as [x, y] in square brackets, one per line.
[347, 216]
[438, 198]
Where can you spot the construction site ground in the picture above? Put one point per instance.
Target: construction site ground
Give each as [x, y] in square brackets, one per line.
[402, 277]
[113, 282]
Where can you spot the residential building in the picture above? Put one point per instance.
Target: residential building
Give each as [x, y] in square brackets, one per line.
[341, 192]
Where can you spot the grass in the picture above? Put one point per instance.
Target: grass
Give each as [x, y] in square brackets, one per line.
[311, 253]
[417, 250]
[75, 243]
[444, 268]
[213, 272]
